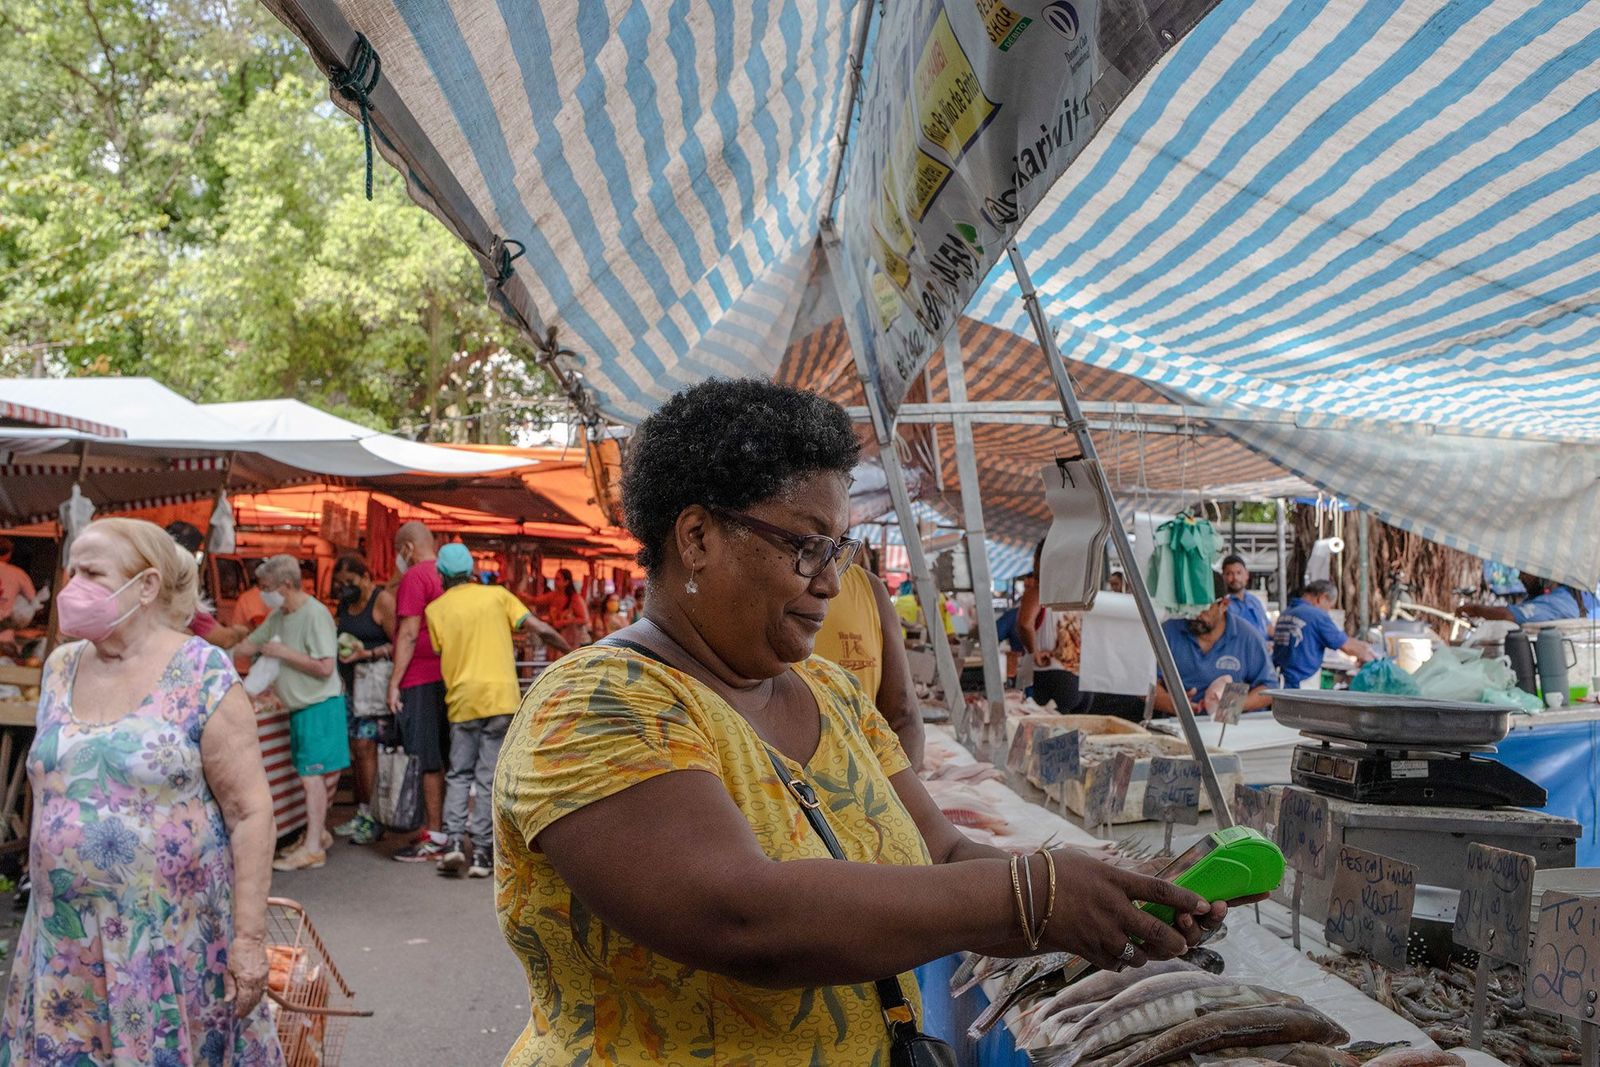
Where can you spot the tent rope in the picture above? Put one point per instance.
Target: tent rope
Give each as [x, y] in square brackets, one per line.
[503, 257]
[356, 83]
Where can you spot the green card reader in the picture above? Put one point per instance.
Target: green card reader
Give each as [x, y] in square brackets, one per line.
[1224, 865]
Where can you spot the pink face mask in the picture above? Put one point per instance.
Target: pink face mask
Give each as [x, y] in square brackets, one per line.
[88, 610]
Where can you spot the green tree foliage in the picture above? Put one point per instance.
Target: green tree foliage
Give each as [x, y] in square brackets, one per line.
[179, 199]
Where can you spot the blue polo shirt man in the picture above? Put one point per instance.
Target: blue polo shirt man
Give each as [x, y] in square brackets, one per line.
[1305, 631]
[1240, 601]
[1215, 643]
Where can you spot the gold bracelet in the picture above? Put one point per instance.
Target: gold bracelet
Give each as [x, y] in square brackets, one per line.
[1033, 909]
[1016, 887]
[1050, 903]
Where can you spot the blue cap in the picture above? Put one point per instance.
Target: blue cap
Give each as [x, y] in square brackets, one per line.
[454, 560]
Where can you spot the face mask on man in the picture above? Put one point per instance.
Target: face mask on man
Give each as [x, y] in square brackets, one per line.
[89, 610]
[273, 599]
[401, 564]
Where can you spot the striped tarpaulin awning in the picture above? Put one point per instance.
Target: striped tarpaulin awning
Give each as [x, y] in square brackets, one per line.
[1366, 231]
[13, 411]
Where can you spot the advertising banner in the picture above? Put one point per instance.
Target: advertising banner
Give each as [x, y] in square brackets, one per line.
[972, 109]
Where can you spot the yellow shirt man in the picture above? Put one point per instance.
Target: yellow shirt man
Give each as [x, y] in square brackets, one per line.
[471, 626]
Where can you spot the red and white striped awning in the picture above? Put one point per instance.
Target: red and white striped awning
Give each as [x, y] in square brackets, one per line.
[14, 412]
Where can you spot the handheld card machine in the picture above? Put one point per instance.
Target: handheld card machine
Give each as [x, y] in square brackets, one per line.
[1224, 865]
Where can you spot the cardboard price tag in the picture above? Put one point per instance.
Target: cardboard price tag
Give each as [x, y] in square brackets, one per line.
[1017, 755]
[1106, 789]
[1303, 831]
[1060, 756]
[1231, 704]
[1173, 793]
[1369, 905]
[1496, 899]
[1564, 970]
[1255, 808]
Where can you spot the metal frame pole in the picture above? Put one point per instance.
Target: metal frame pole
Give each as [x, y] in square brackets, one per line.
[1079, 427]
[1283, 557]
[977, 546]
[884, 432]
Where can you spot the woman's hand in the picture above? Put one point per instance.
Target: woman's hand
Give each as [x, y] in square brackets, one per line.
[1097, 917]
[246, 978]
[276, 649]
[1042, 658]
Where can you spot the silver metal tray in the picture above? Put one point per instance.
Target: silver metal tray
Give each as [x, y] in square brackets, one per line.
[1378, 719]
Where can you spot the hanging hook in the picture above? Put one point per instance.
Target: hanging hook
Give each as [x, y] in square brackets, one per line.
[356, 83]
[501, 255]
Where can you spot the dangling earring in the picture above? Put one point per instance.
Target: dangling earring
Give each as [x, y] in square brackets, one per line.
[691, 586]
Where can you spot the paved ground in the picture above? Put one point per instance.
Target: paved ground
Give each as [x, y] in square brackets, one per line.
[423, 952]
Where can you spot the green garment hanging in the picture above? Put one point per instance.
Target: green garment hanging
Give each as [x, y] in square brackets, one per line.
[1180, 568]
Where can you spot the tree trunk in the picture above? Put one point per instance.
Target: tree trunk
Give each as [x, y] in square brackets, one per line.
[1434, 571]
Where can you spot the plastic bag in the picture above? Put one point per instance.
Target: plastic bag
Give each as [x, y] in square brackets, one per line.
[1464, 675]
[1512, 698]
[222, 539]
[398, 800]
[1385, 676]
[263, 672]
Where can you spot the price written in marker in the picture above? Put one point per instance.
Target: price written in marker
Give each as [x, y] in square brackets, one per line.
[1303, 831]
[1370, 904]
[1173, 792]
[1564, 970]
[1496, 899]
[1060, 757]
[1255, 808]
[1231, 703]
[1017, 755]
[1106, 789]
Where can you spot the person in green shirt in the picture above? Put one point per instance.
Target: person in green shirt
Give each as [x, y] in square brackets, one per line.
[300, 634]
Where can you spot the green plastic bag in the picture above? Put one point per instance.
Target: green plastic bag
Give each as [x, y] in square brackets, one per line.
[1385, 676]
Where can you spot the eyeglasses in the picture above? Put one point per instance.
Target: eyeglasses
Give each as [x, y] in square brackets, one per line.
[813, 552]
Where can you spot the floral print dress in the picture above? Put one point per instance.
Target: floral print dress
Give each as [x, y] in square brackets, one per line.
[122, 954]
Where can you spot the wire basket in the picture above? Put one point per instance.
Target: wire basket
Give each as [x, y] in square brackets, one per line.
[310, 1001]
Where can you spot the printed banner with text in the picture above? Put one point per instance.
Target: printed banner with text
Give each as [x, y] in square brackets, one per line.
[973, 108]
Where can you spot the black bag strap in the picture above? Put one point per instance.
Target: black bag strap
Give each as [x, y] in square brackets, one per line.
[897, 1012]
[896, 1009]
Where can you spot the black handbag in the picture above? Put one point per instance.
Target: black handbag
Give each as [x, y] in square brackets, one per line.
[909, 1047]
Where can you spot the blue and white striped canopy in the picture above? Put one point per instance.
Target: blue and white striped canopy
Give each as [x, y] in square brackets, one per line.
[1367, 233]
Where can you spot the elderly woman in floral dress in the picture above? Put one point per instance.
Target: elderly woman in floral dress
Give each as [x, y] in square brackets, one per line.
[151, 849]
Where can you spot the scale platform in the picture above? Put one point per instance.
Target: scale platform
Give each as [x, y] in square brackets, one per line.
[1379, 774]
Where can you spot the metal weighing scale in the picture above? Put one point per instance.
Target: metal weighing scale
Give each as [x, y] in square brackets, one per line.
[1415, 779]
[1375, 749]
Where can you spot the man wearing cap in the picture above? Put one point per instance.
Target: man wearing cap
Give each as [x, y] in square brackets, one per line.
[470, 625]
[1213, 648]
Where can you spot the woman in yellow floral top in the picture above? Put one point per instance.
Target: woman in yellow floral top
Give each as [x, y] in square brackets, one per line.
[667, 896]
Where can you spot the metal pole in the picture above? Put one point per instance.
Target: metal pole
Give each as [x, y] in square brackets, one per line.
[977, 549]
[1119, 534]
[883, 431]
[1364, 576]
[1283, 558]
[847, 108]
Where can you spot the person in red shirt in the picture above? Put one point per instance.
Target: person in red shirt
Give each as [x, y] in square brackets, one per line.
[416, 686]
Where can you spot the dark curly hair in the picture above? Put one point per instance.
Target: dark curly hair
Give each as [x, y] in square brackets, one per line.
[727, 444]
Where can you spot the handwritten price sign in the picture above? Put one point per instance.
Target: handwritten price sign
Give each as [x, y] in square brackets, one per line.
[1492, 916]
[1060, 757]
[1369, 905]
[1564, 971]
[1303, 831]
[1016, 757]
[1256, 808]
[1173, 794]
[1231, 703]
[1107, 789]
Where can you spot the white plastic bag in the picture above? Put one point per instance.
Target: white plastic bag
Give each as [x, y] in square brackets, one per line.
[221, 538]
[263, 672]
[76, 512]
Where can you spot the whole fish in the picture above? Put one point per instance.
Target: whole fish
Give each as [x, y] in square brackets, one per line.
[1094, 989]
[1143, 1015]
[1243, 1061]
[1140, 994]
[1255, 1027]
[1308, 1055]
[1029, 976]
[1418, 1057]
